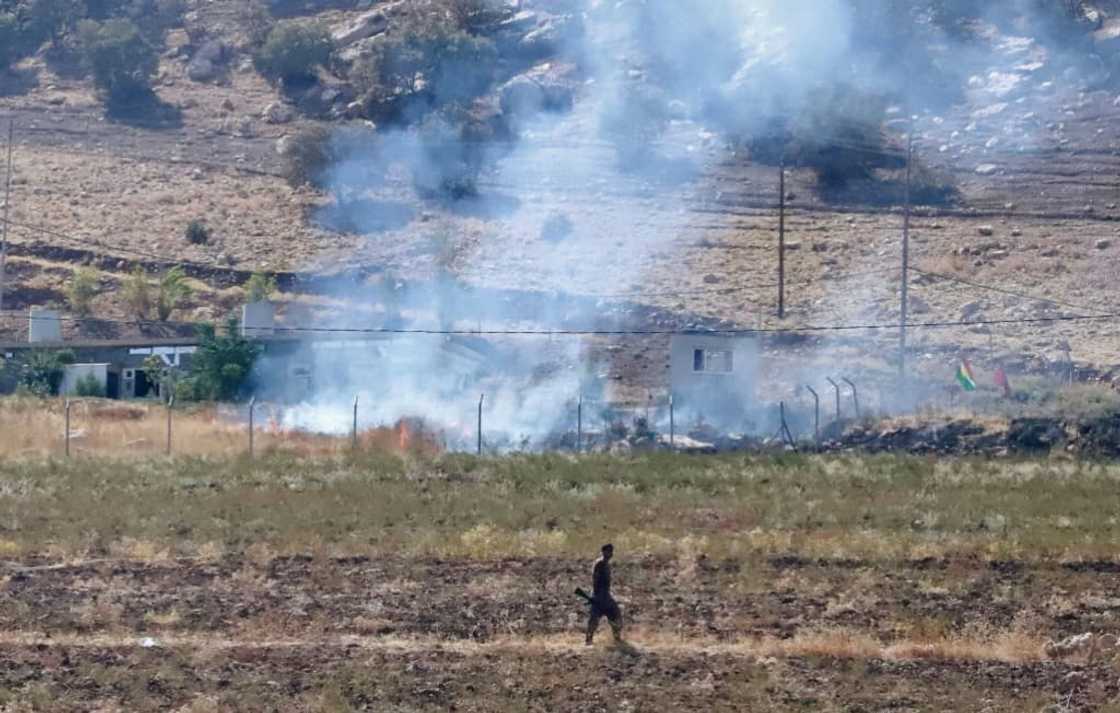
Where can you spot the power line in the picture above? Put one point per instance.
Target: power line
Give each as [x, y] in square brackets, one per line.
[1004, 291]
[742, 288]
[634, 332]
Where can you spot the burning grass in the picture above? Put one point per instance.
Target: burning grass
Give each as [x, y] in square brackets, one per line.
[33, 428]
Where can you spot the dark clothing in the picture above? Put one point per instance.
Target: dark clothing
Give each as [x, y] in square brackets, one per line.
[601, 579]
[602, 603]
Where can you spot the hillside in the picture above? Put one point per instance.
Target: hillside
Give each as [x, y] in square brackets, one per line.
[684, 236]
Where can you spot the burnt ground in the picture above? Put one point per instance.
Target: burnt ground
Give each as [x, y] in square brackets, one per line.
[306, 633]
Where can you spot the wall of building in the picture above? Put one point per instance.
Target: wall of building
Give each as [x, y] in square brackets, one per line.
[714, 376]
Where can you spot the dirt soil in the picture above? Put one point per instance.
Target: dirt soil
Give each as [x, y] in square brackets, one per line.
[307, 633]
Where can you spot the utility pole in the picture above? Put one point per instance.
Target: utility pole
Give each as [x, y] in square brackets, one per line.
[7, 204]
[782, 237]
[905, 308]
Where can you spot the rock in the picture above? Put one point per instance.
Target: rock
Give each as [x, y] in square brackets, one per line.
[1050, 252]
[283, 145]
[986, 169]
[970, 310]
[546, 35]
[207, 61]
[1107, 38]
[1016, 233]
[201, 70]
[917, 305]
[56, 100]
[1103, 244]
[712, 279]
[278, 113]
[793, 245]
[986, 230]
[540, 89]
[227, 104]
[365, 26]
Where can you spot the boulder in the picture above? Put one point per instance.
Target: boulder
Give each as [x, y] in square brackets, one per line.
[363, 27]
[986, 230]
[541, 89]
[531, 35]
[207, 61]
[278, 113]
[986, 169]
[970, 310]
[917, 305]
[1107, 38]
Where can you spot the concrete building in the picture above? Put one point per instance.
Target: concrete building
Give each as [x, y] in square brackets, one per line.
[714, 376]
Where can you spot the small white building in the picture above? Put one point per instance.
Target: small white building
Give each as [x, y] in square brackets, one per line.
[714, 375]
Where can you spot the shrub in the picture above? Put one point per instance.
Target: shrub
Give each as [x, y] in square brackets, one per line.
[308, 156]
[293, 50]
[222, 364]
[556, 228]
[138, 293]
[197, 233]
[9, 39]
[451, 65]
[89, 386]
[173, 290]
[121, 60]
[49, 19]
[81, 291]
[259, 287]
[43, 371]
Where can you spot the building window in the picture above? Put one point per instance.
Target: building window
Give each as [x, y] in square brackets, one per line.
[712, 361]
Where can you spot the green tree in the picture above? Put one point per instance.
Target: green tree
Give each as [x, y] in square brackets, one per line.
[138, 293]
[120, 59]
[50, 19]
[81, 291]
[173, 291]
[259, 287]
[451, 64]
[43, 370]
[10, 39]
[89, 387]
[222, 364]
[308, 155]
[293, 51]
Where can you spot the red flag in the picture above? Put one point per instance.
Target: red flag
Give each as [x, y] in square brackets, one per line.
[1002, 381]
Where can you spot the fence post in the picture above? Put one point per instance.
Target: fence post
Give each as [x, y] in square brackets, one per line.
[579, 424]
[252, 403]
[837, 388]
[481, 399]
[67, 428]
[672, 424]
[855, 394]
[816, 414]
[170, 404]
[354, 426]
[785, 426]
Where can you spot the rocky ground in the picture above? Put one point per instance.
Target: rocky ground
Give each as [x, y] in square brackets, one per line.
[1032, 149]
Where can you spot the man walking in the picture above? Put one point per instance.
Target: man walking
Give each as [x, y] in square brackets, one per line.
[601, 601]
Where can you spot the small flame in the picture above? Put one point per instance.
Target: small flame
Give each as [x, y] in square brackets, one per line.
[404, 435]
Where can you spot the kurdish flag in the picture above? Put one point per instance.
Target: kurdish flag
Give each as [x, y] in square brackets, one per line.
[965, 376]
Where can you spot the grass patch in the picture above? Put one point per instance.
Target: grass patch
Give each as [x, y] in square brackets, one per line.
[880, 507]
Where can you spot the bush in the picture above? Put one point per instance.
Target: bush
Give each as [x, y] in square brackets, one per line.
[308, 156]
[197, 233]
[451, 65]
[138, 293]
[259, 287]
[293, 50]
[50, 19]
[173, 290]
[556, 228]
[222, 364]
[121, 60]
[81, 291]
[89, 387]
[10, 39]
[43, 371]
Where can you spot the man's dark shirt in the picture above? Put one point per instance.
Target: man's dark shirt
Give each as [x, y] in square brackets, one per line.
[601, 580]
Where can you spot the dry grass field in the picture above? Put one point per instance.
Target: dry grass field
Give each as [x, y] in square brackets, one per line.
[374, 580]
